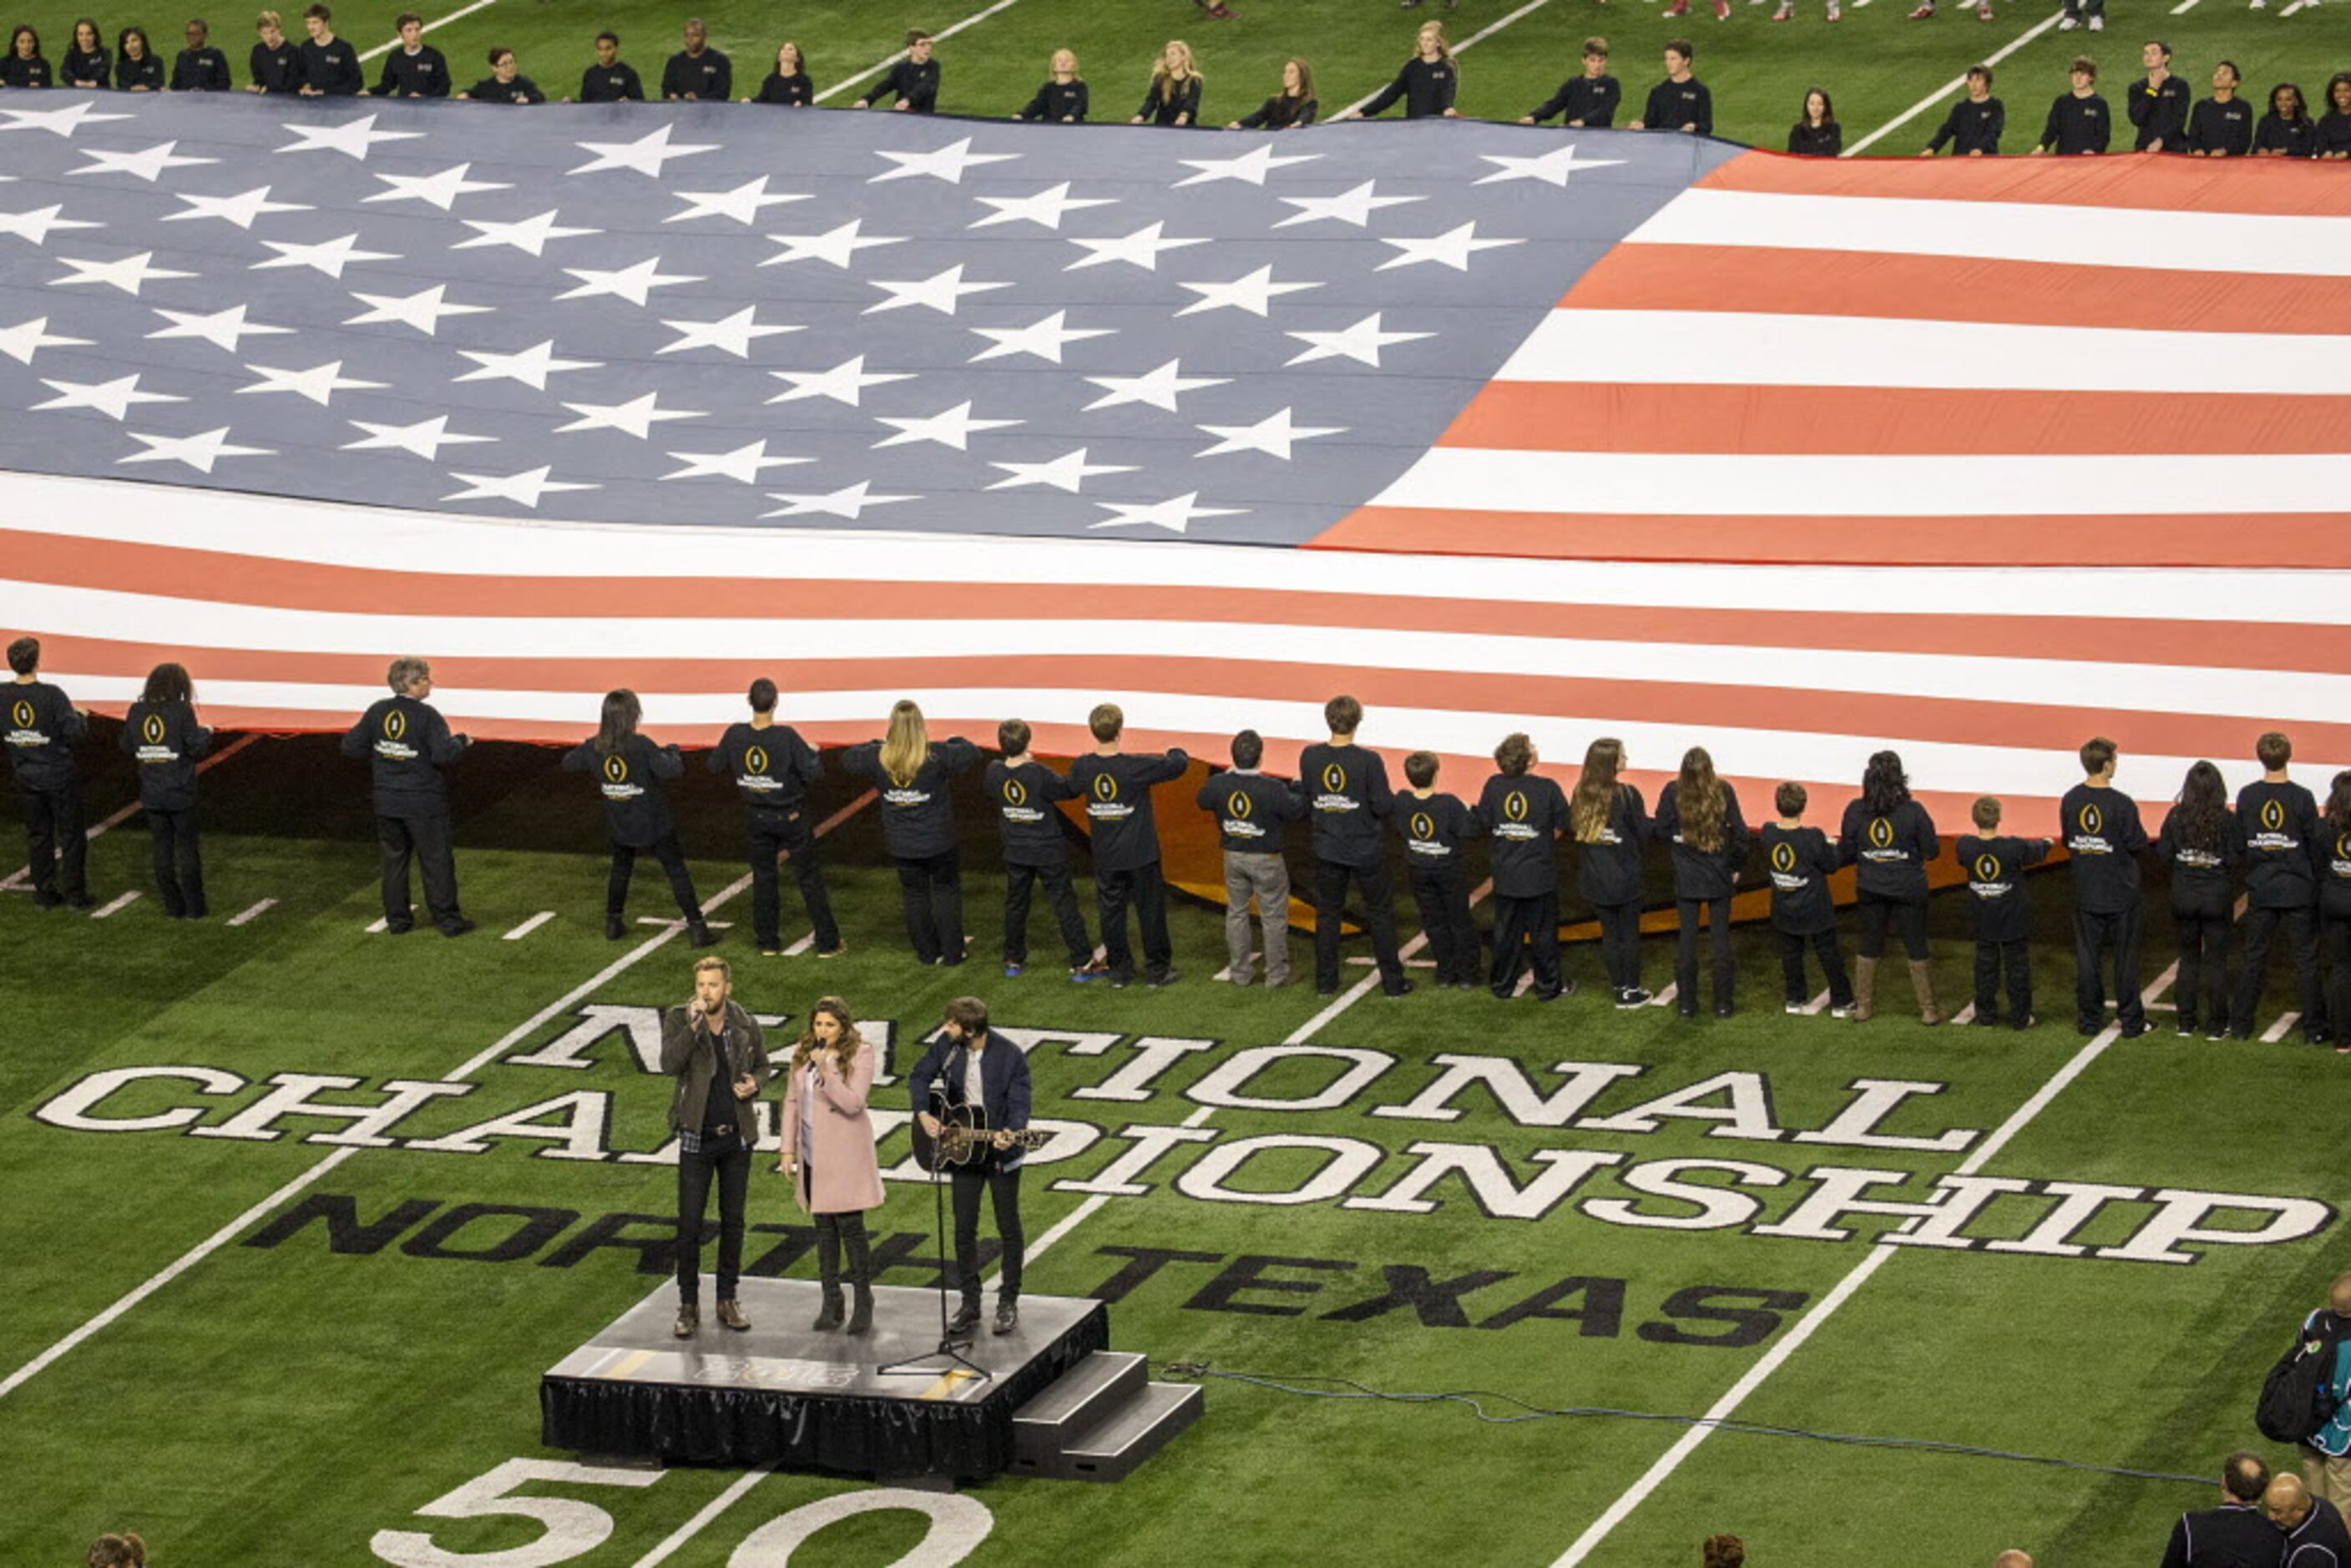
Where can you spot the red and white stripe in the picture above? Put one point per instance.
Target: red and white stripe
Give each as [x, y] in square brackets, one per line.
[2075, 364]
[1985, 678]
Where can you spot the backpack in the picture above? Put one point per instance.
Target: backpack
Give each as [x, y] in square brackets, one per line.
[2296, 1396]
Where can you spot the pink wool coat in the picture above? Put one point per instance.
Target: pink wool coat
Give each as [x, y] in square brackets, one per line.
[839, 1156]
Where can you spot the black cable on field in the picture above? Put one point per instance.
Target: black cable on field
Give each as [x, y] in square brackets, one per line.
[1476, 1400]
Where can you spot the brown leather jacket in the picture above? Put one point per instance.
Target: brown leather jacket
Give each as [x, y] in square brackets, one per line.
[685, 1057]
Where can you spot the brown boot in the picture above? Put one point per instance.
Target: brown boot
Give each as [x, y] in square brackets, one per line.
[731, 1315]
[1922, 980]
[1864, 990]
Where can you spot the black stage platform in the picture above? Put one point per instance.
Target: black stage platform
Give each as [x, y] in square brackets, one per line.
[782, 1392]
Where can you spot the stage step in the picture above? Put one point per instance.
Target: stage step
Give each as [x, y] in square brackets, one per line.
[1110, 1449]
[1077, 1399]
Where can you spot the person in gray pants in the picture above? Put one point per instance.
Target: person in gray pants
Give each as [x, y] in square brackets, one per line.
[1251, 810]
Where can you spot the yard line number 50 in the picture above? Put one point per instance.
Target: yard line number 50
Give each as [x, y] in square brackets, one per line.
[574, 1528]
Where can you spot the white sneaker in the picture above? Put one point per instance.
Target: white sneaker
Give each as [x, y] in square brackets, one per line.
[2068, 24]
[1843, 1012]
[2097, 24]
[2261, 5]
[1793, 1009]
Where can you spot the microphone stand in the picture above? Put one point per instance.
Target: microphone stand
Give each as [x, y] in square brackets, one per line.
[949, 1347]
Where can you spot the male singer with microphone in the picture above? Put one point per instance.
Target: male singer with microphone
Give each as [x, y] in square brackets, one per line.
[714, 1051]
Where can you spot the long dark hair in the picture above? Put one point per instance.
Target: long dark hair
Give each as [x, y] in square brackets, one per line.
[123, 42]
[619, 724]
[2202, 808]
[1701, 802]
[850, 1042]
[2301, 115]
[1884, 785]
[2338, 802]
[97, 38]
[168, 683]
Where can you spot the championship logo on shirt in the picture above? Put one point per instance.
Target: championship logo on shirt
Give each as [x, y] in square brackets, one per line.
[2342, 852]
[1784, 856]
[1105, 787]
[1424, 826]
[616, 769]
[151, 729]
[1514, 806]
[1987, 868]
[1237, 804]
[1335, 780]
[2092, 820]
[1881, 832]
[23, 714]
[2273, 815]
[1014, 792]
[756, 759]
[395, 723]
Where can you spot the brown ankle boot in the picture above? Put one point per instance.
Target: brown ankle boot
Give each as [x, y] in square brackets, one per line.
[1864, 990]
[1922, 980]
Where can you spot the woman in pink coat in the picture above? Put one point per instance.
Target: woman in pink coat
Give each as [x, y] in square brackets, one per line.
[828, 1151]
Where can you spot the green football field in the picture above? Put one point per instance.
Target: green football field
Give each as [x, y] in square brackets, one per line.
[1878, 66]
[277, 1339]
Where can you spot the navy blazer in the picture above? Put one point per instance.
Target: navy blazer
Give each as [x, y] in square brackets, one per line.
[1003, 1080]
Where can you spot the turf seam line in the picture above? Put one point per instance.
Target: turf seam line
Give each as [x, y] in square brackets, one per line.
[98, 829]
[1773, 1359]
[1955, 85]
[512, 1038]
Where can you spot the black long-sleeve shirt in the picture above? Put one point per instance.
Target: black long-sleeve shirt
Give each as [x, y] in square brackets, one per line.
[2281, 823]
[615, 83]
[1799, 862]
[2160, 113]
[2104, 838]
[915, 86]
[1806, 140]
[1117, 791]
[332, 68]
[1347, 793]
[918, 815]
[166, 741]
[201, 70]
[772, 766]
[41, 729]
[2332, 136]
[2234, 1532]
[1892, 850]
[2294, 137]
[1278, 113]
[17, 71]
[1057, 101]
[2222, 130]
[636, 811]
[1583, 101]
[795, 91]
[1675, 104]
[406, 743]
[1433, 827]
[1024, 797]
[1998, 910]
[1971, 127]
[1252, 809]
[425, 74]
[1426, 88]
[2333, 863]
[2200, 874]
[1523, 814]
[275, 70]
[708, 76]
[2078, 125]
[146, 71]
[490, 90]
[1703, 873]
[1608, 869]
[87, 68]
[1179, 102]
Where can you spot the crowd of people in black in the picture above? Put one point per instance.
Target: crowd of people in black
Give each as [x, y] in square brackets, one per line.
[2162, 109]
[2288, 855]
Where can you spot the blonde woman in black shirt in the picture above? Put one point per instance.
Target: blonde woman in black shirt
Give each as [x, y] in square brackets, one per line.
[1427, 83]
[918, 826]
[1609, 821]
[1175, 95]
[1063, 99]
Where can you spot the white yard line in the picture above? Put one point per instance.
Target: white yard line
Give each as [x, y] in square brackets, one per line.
[529, 926]
[2278, 1031]
[1817, 1006]
[693, 1527]
[249, 916]
[1958, 84]
[1297, 1036]
[947, 32]
[118, 902]
[381, 925]
[1771, 1361]
[466, 1068]
[18, 878]
[2183, 7]
[1965, 1015]
[437, 22]
[1529, 9]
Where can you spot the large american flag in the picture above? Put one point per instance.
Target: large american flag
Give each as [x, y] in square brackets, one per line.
[1602, 432]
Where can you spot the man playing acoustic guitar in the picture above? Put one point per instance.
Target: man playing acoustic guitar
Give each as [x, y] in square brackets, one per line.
[969, 1072]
